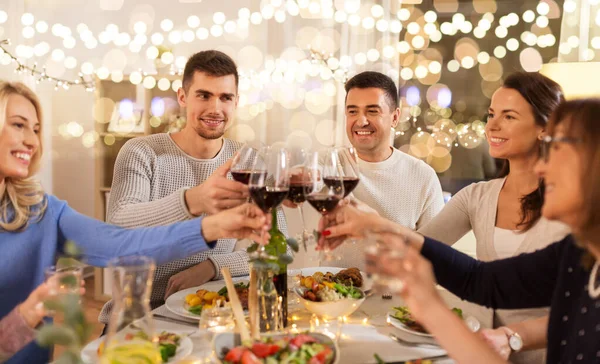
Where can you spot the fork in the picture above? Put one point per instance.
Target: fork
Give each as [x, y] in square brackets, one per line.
[386, 295]
[401, 341]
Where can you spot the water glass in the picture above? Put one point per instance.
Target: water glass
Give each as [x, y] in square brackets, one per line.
[214, 321]
[391, 246]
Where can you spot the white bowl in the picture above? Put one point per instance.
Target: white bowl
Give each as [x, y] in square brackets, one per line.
[331, 309]
[228, 340]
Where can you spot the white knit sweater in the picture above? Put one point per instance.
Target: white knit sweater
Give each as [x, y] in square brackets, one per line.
[402, 189]
[150, 178]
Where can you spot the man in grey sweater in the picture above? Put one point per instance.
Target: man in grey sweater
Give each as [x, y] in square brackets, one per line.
[164, 178]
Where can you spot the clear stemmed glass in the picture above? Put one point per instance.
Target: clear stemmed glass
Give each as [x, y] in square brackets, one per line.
[348, 162]
[326, 188]
[243, 161]
[270, 179]
[299, 181]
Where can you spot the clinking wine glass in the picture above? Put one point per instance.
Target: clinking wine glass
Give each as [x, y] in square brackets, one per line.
[243, 161]
[326, 188]
[299, 181]
[348, 164]
[270, 179]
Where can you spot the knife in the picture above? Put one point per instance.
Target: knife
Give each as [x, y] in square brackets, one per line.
[174, 320]
[421, 360]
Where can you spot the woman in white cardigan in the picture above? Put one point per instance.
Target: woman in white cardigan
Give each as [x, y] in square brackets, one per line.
[505, 213]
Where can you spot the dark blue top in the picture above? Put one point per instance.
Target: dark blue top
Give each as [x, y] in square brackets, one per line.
[553, 276]
[26, 253]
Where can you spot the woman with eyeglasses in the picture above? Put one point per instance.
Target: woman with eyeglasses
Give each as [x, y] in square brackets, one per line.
[505, 213]
[563, 275]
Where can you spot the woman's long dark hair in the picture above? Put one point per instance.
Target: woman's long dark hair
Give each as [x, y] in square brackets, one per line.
[544, 95]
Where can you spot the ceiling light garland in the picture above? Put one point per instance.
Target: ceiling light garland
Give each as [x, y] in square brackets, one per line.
[40, 75]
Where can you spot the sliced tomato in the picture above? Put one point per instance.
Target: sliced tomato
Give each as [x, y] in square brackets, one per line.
[235, 355]
[263, 350]
[321, 357]
[129, 336]
[249, 358]
[302, 339]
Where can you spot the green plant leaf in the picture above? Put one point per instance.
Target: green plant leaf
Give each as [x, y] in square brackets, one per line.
[55, 335]
[317, 235]
[293, 243]
[252, 248]
[54, 304]
[285, 259]
[69, 357]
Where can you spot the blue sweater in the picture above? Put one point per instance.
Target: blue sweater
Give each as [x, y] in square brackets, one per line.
[553, 276]
[25, 254]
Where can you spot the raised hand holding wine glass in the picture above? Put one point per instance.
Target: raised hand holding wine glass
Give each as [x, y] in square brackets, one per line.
[243, 161]
[269, 182]
[326, 187]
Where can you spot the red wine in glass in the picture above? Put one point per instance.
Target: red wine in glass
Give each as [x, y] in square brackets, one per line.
[296, 194]
[267, 198]
[244, 175]
[350, 183]
[323, 203]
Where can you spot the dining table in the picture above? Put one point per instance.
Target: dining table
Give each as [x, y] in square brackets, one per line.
[363, 334]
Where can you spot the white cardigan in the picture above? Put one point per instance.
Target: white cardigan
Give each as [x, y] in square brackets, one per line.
[474, 208]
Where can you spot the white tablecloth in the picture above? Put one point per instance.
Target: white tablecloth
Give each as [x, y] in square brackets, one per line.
[365, 333]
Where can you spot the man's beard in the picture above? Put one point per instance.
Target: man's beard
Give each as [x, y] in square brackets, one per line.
[209, 134]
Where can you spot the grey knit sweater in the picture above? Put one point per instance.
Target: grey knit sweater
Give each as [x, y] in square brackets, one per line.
[150, 178]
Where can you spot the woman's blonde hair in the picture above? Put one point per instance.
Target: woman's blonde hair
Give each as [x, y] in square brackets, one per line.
[21, 199]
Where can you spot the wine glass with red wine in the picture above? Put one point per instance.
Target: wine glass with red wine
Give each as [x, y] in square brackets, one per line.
[299, 181]
[269, 182]
[326, 188]
[243, 161]
[348, 163]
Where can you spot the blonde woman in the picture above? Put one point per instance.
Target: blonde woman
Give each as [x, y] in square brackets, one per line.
[34, 226]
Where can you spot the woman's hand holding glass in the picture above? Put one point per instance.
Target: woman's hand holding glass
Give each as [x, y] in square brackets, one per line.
[405, 272]
[326, 187]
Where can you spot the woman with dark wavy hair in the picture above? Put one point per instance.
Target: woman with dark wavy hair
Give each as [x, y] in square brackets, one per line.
[504, 213]
[564, 275]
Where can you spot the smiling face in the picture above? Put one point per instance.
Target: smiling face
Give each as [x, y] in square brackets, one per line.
[369, 120]
[562, 174]
[511, 129]
[210, 103]
[19, 139]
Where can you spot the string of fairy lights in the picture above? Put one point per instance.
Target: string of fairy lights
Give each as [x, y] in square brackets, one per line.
[376, 19]
[40, 75]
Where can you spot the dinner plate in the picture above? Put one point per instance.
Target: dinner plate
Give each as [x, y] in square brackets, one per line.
[366, 286]
[399, 325]
[89, 354]
[176, 302]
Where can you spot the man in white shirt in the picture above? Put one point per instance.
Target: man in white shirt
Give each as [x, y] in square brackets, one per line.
[398, 186]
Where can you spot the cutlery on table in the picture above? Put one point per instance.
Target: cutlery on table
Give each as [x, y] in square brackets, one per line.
[160, 317]
[401, 341]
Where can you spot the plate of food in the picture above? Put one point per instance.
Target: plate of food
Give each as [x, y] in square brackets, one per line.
[310, 348]
[172, 346]
[190, 302]
[347, 276]
[324, 295]
[401, 318]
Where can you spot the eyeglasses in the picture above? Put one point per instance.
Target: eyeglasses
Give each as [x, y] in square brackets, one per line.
[547, 141]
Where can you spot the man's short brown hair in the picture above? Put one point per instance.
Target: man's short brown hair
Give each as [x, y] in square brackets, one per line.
[213, 63]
